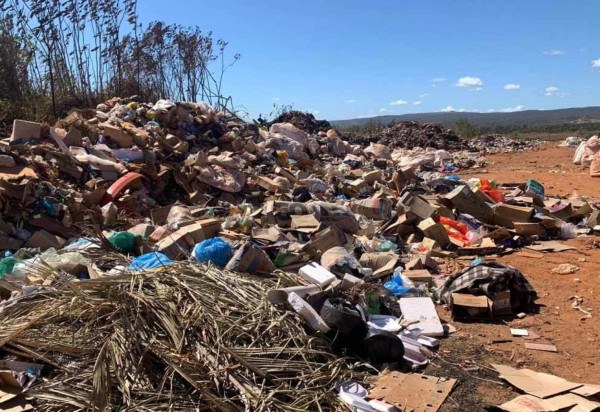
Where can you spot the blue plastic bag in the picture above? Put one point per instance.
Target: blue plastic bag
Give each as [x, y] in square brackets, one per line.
[396, 286]
[477, 261]
[150, 260]
[214, 250]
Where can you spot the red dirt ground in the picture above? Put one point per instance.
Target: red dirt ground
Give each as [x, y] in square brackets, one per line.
[577, 340]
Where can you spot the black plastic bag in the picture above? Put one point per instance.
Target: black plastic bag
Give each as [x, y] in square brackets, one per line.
[381, 346]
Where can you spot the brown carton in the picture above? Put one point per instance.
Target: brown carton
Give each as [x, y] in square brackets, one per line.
[506, 215]
[465, 201]
[435, 231]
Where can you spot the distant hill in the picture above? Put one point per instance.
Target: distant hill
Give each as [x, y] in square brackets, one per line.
[578, 115]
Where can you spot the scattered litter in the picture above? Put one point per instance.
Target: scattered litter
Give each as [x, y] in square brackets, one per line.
[576, 304]
[565, 269]
[412, 392]
[541, 347]
[519, 332]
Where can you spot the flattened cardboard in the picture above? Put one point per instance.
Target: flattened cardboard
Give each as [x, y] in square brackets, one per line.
[587, 390]
[550, 246]
[540, 385]
[9, 386]
[306, 222]
[412, 392]
[541, 347]
[528, 403]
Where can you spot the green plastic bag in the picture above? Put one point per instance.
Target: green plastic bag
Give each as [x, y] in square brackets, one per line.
[124, 242]
[6, 265]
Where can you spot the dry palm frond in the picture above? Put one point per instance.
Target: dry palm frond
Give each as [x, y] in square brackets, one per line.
[185, 337]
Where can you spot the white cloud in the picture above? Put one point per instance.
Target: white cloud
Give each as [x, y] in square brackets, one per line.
[511, 86]
[423, 95]
[383, 109]
[417, 102]
[551, 91]
[398, 102]
[350, 101]
[596, 63]
[491, 110]
[517, 108]
[554, 52]
[448, 109]
[276, 99]
[438, 80]
[313, 111]
[468, 82]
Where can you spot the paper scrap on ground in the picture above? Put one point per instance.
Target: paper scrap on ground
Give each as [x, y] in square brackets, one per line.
[538, 384]
[412, 392]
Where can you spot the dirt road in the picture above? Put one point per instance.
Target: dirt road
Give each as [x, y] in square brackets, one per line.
[556, 321]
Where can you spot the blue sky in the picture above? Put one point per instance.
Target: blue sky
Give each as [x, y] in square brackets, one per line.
[346, 59]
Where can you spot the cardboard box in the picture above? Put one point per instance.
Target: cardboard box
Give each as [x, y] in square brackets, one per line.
[372, 177]
[202, 229]
[562, 211]
[506, 215]
[530, 229]
[422, 262]
[481, 306]
[182, 240]
[419, 276]
[268, 184]
[117, 135]
[465, 201]
[45, 240]
[373, 208]
[306, 223]
[22, 129]
[435, 231]
[248, 258]
[382, 263]
[419, 206]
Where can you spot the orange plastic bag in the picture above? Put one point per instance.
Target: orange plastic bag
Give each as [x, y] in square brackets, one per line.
[460, 227]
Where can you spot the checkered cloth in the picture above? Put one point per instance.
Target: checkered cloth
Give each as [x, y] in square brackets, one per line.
[489, 278]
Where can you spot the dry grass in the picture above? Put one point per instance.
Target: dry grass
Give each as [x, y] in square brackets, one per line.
[185, 337]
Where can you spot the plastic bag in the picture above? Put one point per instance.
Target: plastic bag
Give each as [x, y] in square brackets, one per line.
[400, 285]
[150, 260]
[345, 318]
[568, 231]
[7, 264]
[124, 242]
[215, 250]
[70, 262]
[381, 346]
[387, 246]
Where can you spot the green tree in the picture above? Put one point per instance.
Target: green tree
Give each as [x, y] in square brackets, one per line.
[466, 129]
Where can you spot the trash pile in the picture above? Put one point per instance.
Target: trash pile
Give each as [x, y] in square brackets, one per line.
[411, 134]
[571, 141]
[164, 252]
[494, 143]
[303, 121]
[587, 155]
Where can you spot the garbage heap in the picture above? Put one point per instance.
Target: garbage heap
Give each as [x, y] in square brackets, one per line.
[411, 134]
[110, 216]
[587, 155]
[495, 143]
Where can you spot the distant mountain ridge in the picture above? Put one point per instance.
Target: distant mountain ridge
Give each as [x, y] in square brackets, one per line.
[576, 115]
